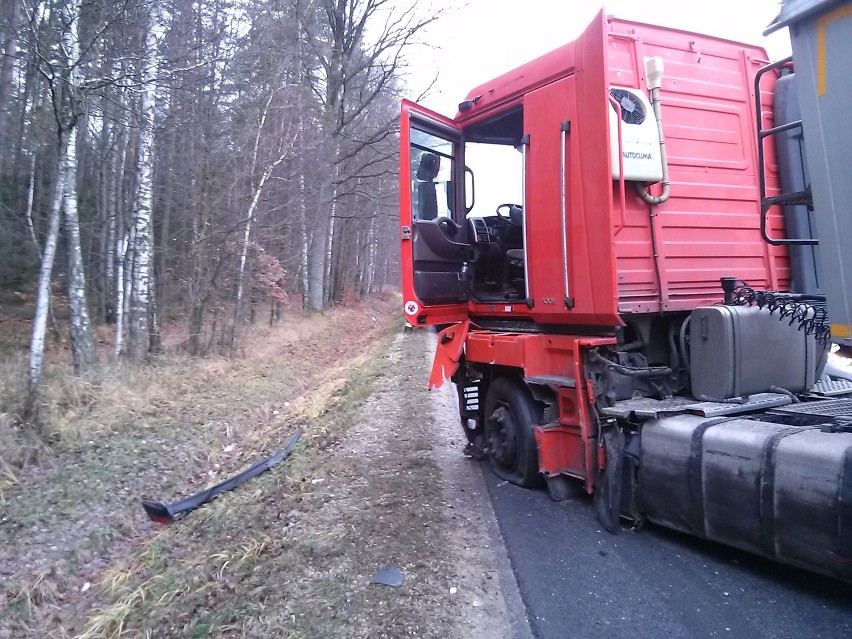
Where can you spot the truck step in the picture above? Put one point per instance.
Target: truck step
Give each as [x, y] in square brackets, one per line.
[815, 413]
[470, 398]
[648, 408]
[832, 387]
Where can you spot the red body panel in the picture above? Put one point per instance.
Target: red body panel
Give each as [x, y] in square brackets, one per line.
[569, 445]
[448, 353]
[710, 226]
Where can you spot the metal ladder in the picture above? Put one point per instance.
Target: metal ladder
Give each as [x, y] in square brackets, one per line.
[796, 198]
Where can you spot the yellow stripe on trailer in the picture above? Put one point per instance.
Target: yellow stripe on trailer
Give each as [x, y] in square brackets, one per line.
[830, 17]
[841, 331]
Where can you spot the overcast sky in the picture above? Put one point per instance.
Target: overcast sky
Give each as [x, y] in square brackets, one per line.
[480, 39]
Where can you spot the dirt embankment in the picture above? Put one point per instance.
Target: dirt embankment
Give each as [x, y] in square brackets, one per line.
[377, 481]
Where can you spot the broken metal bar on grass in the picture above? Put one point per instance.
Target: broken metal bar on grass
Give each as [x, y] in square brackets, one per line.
[165, 513]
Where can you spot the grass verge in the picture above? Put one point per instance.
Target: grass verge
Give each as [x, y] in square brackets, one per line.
[289, 554]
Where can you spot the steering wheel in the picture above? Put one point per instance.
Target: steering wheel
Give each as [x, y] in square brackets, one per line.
[508, 214]
[448, 226]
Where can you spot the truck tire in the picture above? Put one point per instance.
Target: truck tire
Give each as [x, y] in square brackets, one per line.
[509, 439]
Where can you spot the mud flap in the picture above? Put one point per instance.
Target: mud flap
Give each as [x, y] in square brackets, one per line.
[608, 486]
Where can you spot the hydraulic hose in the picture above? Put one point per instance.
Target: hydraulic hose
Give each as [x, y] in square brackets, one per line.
[684, 347]
[673, 354]
[784, 391]
[645, 371]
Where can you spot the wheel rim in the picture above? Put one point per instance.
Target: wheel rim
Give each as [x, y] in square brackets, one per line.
[503, 438]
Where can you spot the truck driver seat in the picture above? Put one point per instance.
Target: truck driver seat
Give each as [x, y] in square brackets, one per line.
[427, 198]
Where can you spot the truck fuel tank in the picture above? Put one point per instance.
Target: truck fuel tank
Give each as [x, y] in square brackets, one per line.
[781, 491]
[742, 350]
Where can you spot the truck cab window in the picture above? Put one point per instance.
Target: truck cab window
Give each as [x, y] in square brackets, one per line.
[432, 168]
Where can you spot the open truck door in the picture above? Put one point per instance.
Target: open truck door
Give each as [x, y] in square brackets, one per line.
[436, 250]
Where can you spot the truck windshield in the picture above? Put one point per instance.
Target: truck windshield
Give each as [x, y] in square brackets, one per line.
[499, 175]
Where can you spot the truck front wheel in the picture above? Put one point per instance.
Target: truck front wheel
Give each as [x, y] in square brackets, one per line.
[509, 417]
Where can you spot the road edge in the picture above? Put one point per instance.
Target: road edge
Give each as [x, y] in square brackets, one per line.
[464, 482]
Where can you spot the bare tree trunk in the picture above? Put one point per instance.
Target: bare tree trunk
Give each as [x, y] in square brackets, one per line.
[319, 246]
[329, 248]
[138, 337]
[371, 260]
[163, 282]
[36, 362]
[196, 280]
[7, 60]
[367, 277]
[154, 340]
[316, 259]
[247, 233]
[120, 254]
[127, 270]
[109, 244]
[319, 264]
[30, 199]
[54, 327]
[83, 351]
[242, 271]
[109, 265]
[138, 341]
[105, 270]
[304, 238]
[119, 235]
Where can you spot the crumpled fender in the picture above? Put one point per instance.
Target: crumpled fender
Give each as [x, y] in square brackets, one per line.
[448, 353]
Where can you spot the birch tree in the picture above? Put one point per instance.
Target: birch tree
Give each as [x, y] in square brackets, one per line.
[83, 351]
[36, 360]
[68, 107]
[64, 82]
[138, 334]
[8, 54]
[258, 182]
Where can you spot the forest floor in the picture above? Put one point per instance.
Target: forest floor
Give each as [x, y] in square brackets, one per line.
[377, 480]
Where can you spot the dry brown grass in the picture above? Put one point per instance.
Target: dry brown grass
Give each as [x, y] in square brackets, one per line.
[75, 409]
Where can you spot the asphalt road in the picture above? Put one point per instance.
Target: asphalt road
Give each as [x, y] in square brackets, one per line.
[579, 581]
